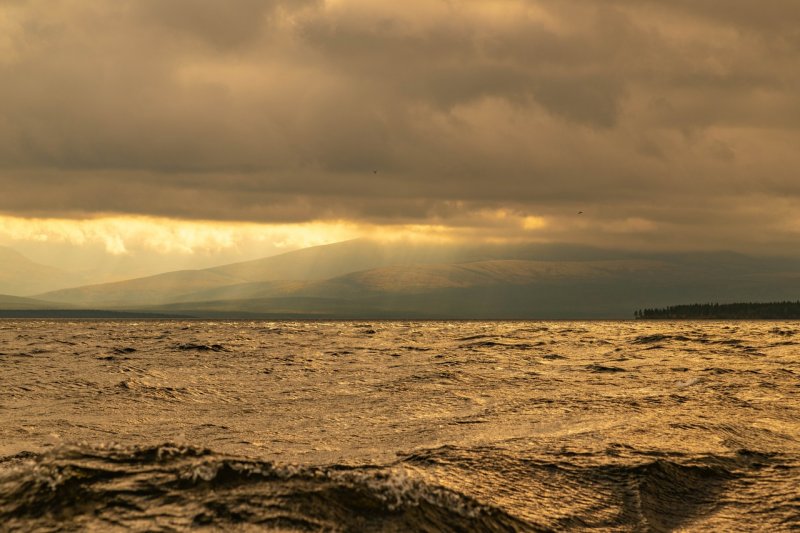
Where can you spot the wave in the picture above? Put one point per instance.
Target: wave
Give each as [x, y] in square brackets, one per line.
[170, 487]
[623, 489]
[175, 487]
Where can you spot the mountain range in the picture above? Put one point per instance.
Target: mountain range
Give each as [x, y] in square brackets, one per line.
[370, 279]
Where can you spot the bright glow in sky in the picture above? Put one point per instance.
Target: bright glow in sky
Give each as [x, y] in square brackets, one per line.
[122, 235]
[126, 235]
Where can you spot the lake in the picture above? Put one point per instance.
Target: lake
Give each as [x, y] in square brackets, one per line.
[399, 426]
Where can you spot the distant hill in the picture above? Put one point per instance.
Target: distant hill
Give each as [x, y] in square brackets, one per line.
[285, 273]
[238, 281]
[18, 303]
[400, 280]
[84, 314]
[423, 278]
[315, 263]
[327, 261]
[22, 277]
[492, 289]
[485, 289]
[19, 307]
[150, 290]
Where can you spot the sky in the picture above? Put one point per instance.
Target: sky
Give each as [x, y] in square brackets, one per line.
[206, 131]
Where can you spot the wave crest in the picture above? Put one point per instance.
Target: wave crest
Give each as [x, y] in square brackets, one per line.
[172, 486]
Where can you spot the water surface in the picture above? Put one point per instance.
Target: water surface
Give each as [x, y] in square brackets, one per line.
[396, 426]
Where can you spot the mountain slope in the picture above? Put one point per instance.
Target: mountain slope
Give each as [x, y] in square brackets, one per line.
[331, 260]
[17, 302]
[490, 289]
[309, 264]
[422, 278]
[21, 277]
[485, 289]
[151, 290]
[364, 278]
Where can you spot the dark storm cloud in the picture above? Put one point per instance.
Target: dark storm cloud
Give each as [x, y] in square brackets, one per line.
[224, 25]
[283, 111]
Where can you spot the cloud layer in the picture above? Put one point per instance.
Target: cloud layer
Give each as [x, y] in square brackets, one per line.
[664, 121]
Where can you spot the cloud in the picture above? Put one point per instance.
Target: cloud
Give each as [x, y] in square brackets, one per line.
[428, 113]
[223, 26]
[122, 235]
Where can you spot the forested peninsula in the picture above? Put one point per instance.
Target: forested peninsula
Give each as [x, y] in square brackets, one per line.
[742, 311]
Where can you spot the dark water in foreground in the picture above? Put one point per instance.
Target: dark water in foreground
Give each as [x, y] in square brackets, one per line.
[399, 426]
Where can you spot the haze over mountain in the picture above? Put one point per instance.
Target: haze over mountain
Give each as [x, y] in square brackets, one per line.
[17, 302]
[366, 278]
[295, 271]
[20, 276]
[315, 263]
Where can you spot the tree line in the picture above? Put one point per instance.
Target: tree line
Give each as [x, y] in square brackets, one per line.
[748, 310]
